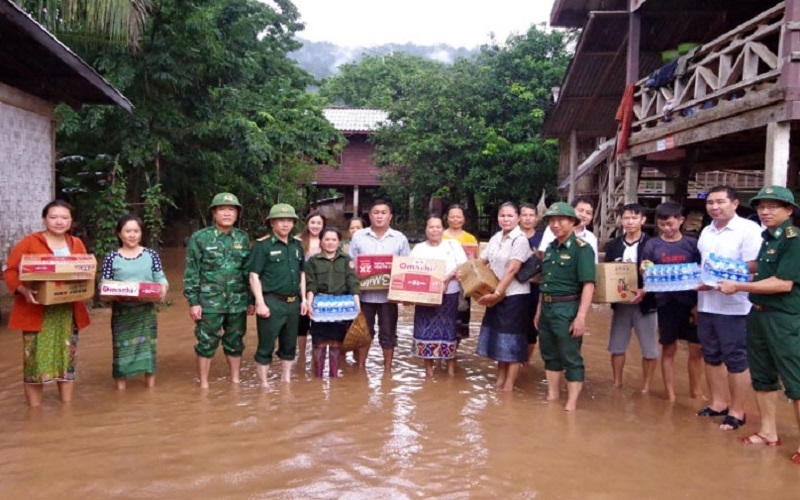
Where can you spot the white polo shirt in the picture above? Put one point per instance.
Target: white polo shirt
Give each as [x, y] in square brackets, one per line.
[585, 235]
[739, 239]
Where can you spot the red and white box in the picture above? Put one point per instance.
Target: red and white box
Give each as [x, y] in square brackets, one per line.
[471, 249]
[47, 267]
[369, 265]
[137, 291]
[417, 281]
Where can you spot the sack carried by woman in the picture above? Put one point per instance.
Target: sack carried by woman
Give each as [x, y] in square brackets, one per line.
[357, 335]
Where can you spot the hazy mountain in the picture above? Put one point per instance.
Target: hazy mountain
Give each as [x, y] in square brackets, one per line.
[322, 58]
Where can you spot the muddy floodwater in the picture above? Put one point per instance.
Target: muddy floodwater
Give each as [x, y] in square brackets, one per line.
[369, 434]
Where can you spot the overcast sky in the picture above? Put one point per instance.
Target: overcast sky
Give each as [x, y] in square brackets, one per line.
[467, 23]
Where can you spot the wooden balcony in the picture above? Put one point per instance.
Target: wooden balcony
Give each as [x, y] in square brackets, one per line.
[732, 83]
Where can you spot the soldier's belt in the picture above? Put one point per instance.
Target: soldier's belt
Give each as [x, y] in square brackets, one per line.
[284, 298]
[547, 298]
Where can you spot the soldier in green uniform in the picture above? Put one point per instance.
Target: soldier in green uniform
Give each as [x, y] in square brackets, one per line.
[215, 284]
[773, 325]
[278, 282]
[568, 274]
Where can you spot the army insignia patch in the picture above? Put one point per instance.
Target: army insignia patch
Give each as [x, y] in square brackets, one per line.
[771, 251]
[778, 232]
[227, 197]
[769, 190]
[791, 232]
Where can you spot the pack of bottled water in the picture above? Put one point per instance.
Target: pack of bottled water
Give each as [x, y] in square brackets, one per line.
[327, 308]
[717, 268]
[672, 277]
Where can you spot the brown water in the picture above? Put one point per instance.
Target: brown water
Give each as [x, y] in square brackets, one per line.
[367, 435]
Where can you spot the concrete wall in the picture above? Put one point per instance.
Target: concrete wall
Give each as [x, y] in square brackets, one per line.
[27, 165]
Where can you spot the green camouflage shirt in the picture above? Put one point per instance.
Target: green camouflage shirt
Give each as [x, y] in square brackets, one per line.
[216, 275]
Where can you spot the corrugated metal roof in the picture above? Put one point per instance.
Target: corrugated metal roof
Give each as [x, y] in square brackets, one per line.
[356, 120]
[36, 62]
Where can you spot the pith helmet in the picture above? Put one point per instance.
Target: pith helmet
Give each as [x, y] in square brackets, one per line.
[225, 199]
[282, 211]
[561, 209]
[777, 193]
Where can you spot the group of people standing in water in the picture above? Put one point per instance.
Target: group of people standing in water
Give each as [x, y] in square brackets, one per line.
[278, 277]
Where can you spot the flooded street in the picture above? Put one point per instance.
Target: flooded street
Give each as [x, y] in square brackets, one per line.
[368, 435]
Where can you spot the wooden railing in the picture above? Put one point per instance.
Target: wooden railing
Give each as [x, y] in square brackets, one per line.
[737, 65]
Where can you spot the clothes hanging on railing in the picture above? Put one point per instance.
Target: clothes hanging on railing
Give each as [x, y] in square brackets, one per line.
[625, 118]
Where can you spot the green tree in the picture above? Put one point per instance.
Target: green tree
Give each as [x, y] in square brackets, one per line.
[376, 81]
[218, 107]
[86, 21]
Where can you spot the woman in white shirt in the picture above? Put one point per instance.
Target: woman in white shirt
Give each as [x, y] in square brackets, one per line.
[435, 326]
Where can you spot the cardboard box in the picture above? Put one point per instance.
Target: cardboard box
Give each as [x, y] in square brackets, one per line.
[374, 271]
[375, 282]
[616, 282]
[477, 279]
[417, 281]
[57, 268]
[370, 265]
[130, 291]
[471, 249]
[61, 292]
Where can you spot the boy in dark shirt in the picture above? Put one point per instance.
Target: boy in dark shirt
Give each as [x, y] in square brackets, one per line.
[676, 310]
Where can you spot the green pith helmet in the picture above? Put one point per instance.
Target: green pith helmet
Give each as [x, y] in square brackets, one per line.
[776, 193]
[561, 209]
[282, 211]
[225, 199]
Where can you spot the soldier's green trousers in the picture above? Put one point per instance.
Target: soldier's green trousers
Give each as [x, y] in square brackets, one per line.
[773, 351]
[560, 350]
[209, 333]
[282, 324]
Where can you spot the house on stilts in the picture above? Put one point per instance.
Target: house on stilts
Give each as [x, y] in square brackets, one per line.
[667, 98]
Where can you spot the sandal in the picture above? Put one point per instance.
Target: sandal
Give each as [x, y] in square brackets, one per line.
[732, 422]
[760, 439]
[710, 412]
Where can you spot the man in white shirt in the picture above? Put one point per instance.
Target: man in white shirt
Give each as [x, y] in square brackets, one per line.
[722, 319]
[379, 239]
[584, 210]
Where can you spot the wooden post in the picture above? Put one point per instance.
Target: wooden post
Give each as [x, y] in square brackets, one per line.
[634, 41]
[356, 212]
[789, 45]
[776, 163]
[631, 167]
[573, 163]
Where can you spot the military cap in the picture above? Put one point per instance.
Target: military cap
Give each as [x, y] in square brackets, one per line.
[561, 209]
[776, 193]
[225, 199]
[282, 211]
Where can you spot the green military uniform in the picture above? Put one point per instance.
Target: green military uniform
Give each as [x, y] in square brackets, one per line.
[565, 268]
[215, 278]
[279, 266]
[773, 325]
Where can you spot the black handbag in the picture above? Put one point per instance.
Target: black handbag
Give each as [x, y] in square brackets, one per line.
[529, 269]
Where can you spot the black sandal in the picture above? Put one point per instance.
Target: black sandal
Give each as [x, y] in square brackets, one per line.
[732, 422]
[710, 412]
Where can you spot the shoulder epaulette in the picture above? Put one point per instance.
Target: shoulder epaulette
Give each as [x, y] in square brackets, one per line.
[266, 236]
[580, 242]
[792, 232]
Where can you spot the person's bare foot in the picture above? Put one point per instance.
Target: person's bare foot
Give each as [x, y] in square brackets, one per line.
[203, 385]
[570, 406]
[671, 397]
[698, 395]
[552, 396]
[121, 384]
[429, 372]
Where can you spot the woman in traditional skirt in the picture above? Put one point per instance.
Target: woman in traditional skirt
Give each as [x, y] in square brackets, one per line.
[508, 317]
[311, 240]
[50, 333]
[133, 324]
[435, 326]
[330, 272]
[455, 231]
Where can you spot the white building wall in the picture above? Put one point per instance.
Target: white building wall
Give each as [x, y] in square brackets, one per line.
[27, 165]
